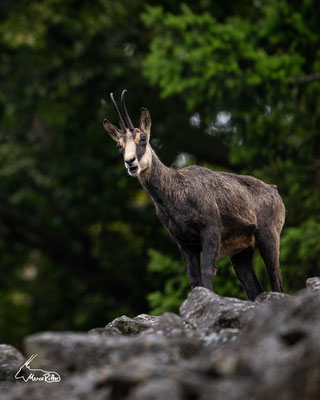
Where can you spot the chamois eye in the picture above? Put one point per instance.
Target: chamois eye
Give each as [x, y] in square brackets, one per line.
[120, 148]
[143, 139]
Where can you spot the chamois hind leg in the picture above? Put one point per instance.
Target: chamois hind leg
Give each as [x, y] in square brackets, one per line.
[192, 259]
[268, 243]
[243, 266]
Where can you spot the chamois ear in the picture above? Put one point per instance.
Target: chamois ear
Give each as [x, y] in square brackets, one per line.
[145, 121]
[113, 131]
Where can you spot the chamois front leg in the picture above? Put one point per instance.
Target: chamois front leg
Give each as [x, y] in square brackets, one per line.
[191, 256]
[210, 249]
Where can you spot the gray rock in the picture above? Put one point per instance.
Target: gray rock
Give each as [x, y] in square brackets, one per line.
[127, 326]
[72, 352]
[221, 336]
[169, 325]
[106, 331]
[220, 348]
[277, 352]
[41, 391]
[268, 297]
[210, 315]
[147, 319]
[313, 284]
[10, 361]
[121, 379]
[158, 389]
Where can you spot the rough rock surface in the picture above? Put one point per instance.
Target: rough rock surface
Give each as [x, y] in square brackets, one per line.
[127, 326]
[313, 284]
[213, 318]
[217, 348]
[10, 361]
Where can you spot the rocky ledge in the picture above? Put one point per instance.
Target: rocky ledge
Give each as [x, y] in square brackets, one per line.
[216, 348]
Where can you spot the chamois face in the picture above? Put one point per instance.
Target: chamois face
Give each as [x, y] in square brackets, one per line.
[133, 144]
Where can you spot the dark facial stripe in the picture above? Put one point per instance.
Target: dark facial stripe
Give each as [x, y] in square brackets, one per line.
[140, 149]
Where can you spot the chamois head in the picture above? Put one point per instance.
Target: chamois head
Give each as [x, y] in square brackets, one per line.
[133, 143]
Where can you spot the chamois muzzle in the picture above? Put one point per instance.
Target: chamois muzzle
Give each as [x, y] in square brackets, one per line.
[134, 169]
[130, 161]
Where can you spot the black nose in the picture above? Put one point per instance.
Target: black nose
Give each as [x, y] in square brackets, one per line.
[131, 160]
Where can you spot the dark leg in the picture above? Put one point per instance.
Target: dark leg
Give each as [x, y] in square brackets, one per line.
[192, 258]
[268, 242]
[210, 250]
[243, 266]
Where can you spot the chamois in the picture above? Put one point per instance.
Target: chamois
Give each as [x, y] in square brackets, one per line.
[218, 213]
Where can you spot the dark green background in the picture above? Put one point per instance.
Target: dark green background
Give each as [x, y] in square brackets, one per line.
[232, 85]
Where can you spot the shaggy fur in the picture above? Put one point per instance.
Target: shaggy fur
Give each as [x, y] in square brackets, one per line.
[216, 213]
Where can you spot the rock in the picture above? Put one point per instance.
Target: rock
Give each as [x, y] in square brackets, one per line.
[106, 331]
[40, 391]
[121, 379]
[169, 325]
[221, 336]
[313, 284]
[210, 315]
[149, 320]
[268, 297]
[127, 326]
[277, 352]
[10, 361]
[73, 352]
[220, 348]
[158, 389]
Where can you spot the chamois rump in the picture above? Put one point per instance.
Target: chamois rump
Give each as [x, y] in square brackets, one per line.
[218, 213]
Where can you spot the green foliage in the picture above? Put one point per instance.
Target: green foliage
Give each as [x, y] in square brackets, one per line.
[300, 249]
[65, 203]
[193, 53]
[176, 283]
[261, 65]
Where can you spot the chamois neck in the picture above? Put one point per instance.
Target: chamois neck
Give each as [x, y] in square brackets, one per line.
[156, 179]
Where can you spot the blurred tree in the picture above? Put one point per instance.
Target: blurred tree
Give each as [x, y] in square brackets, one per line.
[71, 226]
[251, 74]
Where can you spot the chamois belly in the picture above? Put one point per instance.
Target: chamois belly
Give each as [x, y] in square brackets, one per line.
[186, 233]
[233, 245]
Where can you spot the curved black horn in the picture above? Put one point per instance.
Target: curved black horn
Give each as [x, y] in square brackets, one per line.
[121, 122]
[125, 112]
